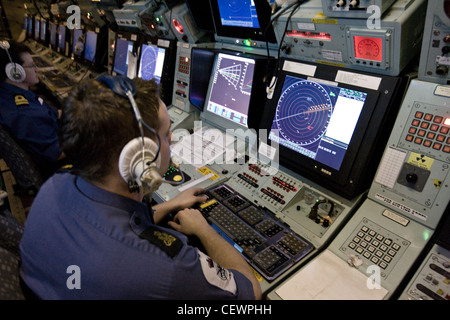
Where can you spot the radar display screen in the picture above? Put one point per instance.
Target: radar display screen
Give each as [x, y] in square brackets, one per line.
[238, 13]
[151, 63]
[231, 87]
[316, 119]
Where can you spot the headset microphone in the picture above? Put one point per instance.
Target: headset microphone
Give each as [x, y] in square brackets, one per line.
[14, 71]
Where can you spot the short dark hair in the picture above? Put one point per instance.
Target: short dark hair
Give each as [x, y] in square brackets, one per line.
[15, 50]
[96, 124]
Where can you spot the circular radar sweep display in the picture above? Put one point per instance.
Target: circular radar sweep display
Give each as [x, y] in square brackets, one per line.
[303, 113]
[148, 62]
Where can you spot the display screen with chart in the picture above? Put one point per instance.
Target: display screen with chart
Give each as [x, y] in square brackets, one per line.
[238, 13]
[231, 88]
[316, 120]
[151, 62]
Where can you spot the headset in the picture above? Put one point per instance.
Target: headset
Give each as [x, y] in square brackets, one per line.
[14, 71]
[139, 160]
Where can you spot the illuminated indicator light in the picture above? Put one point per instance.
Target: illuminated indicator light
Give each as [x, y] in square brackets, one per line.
[309, 35]
[248, 42]
[186, 59]
[447, 122]
[157, 19]
[177, 25]
[368, 48]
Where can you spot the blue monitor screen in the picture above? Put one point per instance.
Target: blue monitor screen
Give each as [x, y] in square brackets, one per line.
[78, 42]
[152, 62]
[43, 30]
[53, 34]
[123, 46]
[30, 26]
[241, 13]
[91, 46]
[317, 120]
[37, 24]
[62, 37]
[231, 87]
[25, 23]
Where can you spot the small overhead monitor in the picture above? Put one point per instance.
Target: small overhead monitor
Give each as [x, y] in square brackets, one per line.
[90, 47]
[330, 123]
[151, 62]
[121, 49]
[246, 19]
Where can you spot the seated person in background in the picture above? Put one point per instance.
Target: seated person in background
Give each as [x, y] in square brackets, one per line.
[89, 236]
[31, 122]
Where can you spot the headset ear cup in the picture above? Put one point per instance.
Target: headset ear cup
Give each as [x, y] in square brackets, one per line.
[130, 162]
[15, 72]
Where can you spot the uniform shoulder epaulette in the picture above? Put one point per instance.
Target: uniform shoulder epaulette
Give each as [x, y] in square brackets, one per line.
[20, 100]
[167, 242]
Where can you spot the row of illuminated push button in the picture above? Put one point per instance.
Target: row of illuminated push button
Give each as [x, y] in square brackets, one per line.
[431, 132]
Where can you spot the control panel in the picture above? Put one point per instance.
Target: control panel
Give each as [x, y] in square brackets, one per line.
[385, 47]
[405, 204]
[435, 55]
[355, 8]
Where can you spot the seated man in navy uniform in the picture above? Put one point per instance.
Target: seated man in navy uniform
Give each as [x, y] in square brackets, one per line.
[31, 122]
[89, 235]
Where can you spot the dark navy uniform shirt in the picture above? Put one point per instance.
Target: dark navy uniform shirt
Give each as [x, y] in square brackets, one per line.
[31, 122]
[83, 242]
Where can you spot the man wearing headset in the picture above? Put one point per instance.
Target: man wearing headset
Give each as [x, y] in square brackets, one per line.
[89, 235]
[31, 121]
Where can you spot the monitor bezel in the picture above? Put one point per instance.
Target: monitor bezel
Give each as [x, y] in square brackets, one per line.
[263, 10]
[128, 36]
[263, 67]
[86, 60]
[311, 168]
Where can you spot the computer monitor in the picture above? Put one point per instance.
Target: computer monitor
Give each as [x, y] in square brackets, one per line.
[121, 49]
[330, 123]
[230, 88]
[90, 47]
[78, 41]
[61, 38]
[236, 92]
[29, 27]
[37, 28]
[53, 35]
[246, 19]
[43, 31]
[151, 62]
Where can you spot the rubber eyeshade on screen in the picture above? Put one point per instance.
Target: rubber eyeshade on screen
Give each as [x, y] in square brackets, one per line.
[316, 120]
[231, 87]
[151, 62]
[91, 46]
[123, 46]
[238, 13]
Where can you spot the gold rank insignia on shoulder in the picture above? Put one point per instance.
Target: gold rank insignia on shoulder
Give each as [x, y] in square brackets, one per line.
[20, 100]
[167, 242]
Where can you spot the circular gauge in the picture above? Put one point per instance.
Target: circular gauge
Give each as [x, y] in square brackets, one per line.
[368, 48]
[303, 113]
